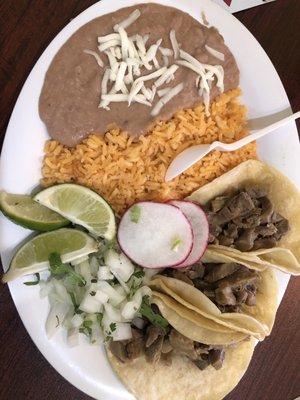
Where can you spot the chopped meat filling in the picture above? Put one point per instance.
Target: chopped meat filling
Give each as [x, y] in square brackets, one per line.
[228, 285]
[159, 345]
[246, 221]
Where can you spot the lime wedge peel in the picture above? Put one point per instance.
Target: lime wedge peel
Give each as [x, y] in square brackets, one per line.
[24, 211]
[82, 206]
[33, 256]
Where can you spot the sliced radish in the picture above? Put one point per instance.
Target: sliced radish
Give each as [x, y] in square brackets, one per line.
[155, 235]
[199, 223]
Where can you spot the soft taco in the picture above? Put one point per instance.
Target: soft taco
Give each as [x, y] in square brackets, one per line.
[253, 212]
[172, 362]
[228, 293]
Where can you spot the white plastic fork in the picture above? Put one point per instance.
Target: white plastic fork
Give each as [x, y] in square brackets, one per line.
[193, 154]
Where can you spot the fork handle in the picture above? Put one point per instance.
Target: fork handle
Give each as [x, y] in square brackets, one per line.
[262, 132]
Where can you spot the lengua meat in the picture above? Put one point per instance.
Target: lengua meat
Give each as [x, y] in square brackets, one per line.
[70, 95]
[245, 221]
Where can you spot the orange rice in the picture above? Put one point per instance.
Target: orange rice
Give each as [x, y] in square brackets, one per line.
[124, 171]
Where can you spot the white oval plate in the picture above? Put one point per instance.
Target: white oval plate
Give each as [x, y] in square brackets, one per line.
[86, 366]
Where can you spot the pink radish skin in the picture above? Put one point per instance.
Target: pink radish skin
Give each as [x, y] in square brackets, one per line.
[148, 242]
[198, 220]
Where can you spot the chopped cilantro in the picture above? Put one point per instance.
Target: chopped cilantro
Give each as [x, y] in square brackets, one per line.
[139, 273]
[155, 319]
[113, 326]
[58, 269]
[99, 318]
[32, 283]
[135, 213]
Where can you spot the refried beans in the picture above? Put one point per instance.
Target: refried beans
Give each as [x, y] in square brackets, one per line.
[71, 92]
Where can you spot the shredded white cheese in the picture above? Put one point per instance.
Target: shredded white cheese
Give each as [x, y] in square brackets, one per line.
[105, 81]
[187, 57]
[128, 21]
[153, 75]
[110, 43]
[129, 77]
[117, 98]
[151, 53]
[166, 75]
[95, 55]
[108, 38]
[147, 92]
[166, 98]
[220, 56]
[156, 63]
[136, 87]
[162, 92]
[124, 42]
[128, 56]
[120, 76]
[166, 52]
[174, 43]
[140, 44]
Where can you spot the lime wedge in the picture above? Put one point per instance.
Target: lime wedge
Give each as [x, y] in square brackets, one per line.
[23, 210]
[82, 206]
[33, 256]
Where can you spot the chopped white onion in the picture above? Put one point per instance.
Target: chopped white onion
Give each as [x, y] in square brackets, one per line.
[90, 305]
[85, 271]
[122, 331]
[46, 287]
[104, 273]
[138, 322]
[61, 292]
[113, 313]
[166, 61]
[130, 310]
[56, 317]
[96, 336]
[77, 320]
[101, 297]
[115, 298]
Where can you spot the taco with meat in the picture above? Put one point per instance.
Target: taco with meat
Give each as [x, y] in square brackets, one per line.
[175, 353]
[228, 293]
[253, 213]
